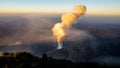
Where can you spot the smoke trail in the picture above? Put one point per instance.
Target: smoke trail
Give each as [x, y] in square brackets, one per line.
[59, 29]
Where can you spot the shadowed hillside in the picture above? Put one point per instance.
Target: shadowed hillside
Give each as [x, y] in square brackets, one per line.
[27, 60]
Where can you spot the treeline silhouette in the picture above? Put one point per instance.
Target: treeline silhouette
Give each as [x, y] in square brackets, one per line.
[27, 60]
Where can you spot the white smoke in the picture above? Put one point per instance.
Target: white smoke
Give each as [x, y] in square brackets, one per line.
[59, 46]
[60, 29]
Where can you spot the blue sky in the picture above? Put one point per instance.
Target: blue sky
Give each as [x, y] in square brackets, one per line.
[93, 6]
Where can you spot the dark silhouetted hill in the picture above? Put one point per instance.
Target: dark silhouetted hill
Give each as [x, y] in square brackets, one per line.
[27, 60]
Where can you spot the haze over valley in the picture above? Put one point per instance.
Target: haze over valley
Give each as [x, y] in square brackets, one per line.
[92, 36]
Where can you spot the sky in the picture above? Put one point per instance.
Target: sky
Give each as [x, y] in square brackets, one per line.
[108, 7]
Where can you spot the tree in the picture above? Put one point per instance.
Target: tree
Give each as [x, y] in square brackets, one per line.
[24, 56]
[6, 66]
[6, 54]
[44, 57]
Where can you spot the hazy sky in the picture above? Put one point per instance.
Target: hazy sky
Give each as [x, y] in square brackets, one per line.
[109, 7]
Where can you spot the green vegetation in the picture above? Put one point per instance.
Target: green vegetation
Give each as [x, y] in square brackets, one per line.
[27, 60]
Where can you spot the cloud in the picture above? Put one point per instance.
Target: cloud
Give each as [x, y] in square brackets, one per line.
[25, 28]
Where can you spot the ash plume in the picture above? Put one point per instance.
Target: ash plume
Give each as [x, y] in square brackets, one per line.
[60, 29]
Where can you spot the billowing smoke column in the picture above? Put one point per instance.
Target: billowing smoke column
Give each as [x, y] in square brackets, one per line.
[60, 29]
